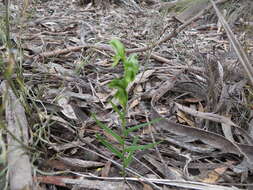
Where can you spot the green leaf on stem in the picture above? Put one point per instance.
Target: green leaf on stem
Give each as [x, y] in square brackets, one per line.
[121, 94]
[108, 145]
[136, 127]
[129, 158]
[131, 68]
[108, 130]
[141, 147]
[121, 114]
[119, 51]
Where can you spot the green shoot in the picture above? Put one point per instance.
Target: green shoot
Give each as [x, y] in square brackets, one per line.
[131, 68]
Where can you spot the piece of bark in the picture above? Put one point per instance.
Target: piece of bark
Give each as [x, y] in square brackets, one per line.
[194, 8]
[19, 166]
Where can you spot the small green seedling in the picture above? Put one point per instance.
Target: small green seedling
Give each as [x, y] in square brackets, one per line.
[131, 68]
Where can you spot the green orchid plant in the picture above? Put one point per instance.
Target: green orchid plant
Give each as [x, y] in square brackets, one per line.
[131, 68]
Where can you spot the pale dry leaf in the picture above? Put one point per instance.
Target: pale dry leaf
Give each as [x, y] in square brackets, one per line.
[54, 68]
[214, 175]
[134, 103]
[74, 162]
[240, 52]
[227, 131]
[67, 108]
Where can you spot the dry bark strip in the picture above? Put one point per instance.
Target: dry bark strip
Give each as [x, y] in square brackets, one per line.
[101, 47]
[20, 174]
[240, 52]
[84, 183]
[210, 138]
[111, 183]
[216, 118]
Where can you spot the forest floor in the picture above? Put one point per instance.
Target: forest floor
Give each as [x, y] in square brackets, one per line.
[190, 75]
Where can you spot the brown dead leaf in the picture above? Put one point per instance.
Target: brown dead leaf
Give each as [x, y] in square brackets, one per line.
[183, 118]
[192, 100]
[105, 171]
[57, 164]
[134, 103]
[147, 187]
[55, 180]
[214, 175]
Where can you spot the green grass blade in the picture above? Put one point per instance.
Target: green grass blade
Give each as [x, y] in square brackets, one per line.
[108, 145]
[136, 127]
[129, 158]
[108, 130]
[141, 147]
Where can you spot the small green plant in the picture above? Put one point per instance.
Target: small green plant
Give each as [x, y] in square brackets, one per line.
[131, 68]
